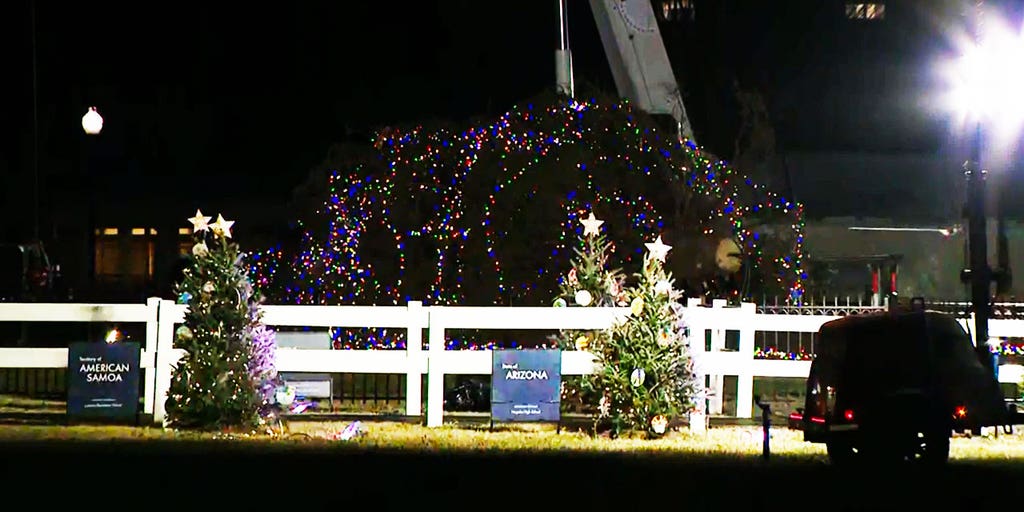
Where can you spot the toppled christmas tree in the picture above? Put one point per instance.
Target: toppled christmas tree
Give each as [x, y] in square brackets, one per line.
[226, 378]
[644, 374]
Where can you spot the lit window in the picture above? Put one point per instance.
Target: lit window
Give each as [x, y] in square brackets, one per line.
[124, 260]
[110, 231]
[138, 231]
[184, 231]
[875, 11]
[676, 9]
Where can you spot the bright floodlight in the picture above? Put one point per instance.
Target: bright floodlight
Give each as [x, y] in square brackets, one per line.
[92, 122]
[988, 79]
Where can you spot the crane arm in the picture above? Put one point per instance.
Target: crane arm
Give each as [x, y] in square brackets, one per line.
[636, 53]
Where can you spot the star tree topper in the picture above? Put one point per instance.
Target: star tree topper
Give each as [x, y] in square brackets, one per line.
[200, 222]
[591, 225]
[658, 250]
[222, 227]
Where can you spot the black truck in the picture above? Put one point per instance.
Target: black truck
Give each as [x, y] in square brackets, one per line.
[895, 385]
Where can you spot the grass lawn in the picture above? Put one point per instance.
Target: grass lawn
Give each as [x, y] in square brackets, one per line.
[728, 441]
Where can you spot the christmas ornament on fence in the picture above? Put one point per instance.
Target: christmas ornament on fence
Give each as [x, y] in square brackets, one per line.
[560, 303]
[184, 298]
[583, 298]
[638, 377]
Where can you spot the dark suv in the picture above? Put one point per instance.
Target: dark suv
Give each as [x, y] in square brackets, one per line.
[895, 385]
[26, 274]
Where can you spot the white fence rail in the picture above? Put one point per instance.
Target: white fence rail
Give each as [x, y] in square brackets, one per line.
[162, 317]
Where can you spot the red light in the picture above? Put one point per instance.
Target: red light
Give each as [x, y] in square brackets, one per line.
[961, 411]
[817, 419]
[848, 414]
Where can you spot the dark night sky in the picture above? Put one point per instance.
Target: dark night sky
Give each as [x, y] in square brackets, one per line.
[212, 88]
[258, 94]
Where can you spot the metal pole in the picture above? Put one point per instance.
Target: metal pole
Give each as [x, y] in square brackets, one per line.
[563, 56]
[35, 131]
[979, 271]
[980, 275]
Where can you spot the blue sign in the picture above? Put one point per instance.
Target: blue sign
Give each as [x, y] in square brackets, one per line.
[526, 385]
[103, 380]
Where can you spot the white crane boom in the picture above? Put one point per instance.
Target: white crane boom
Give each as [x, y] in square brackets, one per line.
[636, 53]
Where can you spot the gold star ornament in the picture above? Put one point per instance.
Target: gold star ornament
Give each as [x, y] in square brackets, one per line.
[591, 225]
[200, 222]
[658, 250]
[222, 227]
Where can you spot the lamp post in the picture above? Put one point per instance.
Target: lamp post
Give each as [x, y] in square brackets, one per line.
[92, 124]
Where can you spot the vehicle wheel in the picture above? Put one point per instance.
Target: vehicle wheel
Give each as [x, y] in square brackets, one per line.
[841, 452]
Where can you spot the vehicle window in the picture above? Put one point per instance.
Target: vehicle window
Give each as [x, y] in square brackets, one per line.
[951, 344]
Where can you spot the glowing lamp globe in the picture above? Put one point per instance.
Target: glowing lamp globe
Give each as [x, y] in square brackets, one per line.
[92, 122]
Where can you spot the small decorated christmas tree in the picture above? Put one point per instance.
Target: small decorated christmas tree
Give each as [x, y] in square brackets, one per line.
[644, 375]
[226, 377]
[589, 283]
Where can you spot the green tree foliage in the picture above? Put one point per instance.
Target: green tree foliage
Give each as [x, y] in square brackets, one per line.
[211, 385]
[644, 376]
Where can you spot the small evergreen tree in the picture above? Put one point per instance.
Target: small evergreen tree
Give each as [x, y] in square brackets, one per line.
[588, 283]
[645, 374]
[225, 378]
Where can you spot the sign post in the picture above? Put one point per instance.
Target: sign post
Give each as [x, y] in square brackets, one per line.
[103, 381]
[526, 385]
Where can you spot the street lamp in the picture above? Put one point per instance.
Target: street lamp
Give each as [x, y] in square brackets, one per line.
[92, 123]
[987, 82]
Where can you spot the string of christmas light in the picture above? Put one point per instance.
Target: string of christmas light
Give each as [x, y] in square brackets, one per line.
[465, 207]
[776, 354]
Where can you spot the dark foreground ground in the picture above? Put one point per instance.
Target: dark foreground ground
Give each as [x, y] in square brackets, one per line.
[159, 475]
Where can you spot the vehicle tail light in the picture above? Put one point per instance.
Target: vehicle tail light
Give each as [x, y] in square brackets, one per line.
[848, 415]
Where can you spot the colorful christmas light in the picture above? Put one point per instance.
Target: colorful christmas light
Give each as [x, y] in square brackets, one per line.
[435, 210]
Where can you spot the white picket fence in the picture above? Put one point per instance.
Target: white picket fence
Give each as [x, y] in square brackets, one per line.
[161, 317]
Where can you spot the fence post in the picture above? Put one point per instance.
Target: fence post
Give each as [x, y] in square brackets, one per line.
[435, 367]
[717, 345]
[745, 376]
[164, 361]
[696, 342]
[149, 348]
[414, 356]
